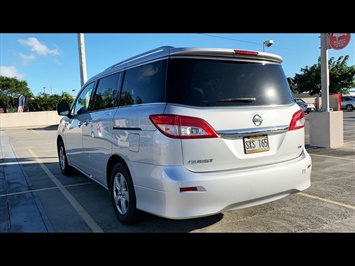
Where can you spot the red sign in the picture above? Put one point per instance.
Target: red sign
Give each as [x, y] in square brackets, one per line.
[338, 41]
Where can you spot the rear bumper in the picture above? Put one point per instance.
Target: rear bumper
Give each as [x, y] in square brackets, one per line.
[219, 191]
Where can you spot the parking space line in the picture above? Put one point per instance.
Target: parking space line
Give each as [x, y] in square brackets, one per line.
[81, 211]
[43, 189]
[326, 200]
[333, 157]
[35, 131]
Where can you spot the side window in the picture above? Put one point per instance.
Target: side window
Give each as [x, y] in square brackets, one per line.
[144, 84]
[82, 102]
[106, 95]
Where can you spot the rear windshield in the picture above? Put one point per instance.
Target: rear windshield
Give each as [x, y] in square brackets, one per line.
[203, 82]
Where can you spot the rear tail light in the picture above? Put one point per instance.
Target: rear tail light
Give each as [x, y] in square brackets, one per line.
[298, 120]
[183, 127]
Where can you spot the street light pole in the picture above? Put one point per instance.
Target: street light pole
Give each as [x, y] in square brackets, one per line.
[82, 59]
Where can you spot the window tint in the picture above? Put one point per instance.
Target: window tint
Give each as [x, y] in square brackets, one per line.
[106, 94]
[226, 83]
[144, 84]
[83, 100]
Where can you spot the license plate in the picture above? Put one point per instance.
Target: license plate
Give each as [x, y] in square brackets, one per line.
[254, 144]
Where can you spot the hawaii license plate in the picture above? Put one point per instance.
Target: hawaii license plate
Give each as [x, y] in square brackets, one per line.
[254, 144]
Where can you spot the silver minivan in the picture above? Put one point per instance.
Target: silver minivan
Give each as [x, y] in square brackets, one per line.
[187, 132]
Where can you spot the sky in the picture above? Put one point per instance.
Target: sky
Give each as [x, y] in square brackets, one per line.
[50, 63]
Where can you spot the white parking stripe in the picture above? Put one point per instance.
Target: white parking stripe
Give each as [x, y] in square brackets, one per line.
[35, 131]
[81, 211]
[333, 157]
[43, 189]
[326, 200]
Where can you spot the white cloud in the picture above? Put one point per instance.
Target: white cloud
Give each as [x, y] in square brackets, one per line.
[10, 72]
[27, 58]
[38, 47]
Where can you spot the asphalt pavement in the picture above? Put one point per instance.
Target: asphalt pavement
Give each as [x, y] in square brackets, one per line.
[20, 210]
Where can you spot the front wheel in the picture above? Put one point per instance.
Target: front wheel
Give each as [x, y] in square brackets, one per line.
[65, 168]
[122, 194]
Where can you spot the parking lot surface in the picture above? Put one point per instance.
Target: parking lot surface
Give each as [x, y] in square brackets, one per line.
[36, 198]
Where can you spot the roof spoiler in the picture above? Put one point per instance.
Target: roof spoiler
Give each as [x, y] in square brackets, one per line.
[161, 48]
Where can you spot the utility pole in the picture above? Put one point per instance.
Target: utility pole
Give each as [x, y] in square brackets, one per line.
[82, 59]
[324, 72]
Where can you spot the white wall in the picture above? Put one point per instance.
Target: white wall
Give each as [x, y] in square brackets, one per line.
[29, 119]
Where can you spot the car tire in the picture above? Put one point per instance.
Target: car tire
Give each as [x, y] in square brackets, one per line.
[65, 168]
[349, 108]
[122, 194]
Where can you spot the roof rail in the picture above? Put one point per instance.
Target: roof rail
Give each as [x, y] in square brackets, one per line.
[161, 48]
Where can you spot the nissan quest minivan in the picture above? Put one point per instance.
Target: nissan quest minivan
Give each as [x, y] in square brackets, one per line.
[183, 133]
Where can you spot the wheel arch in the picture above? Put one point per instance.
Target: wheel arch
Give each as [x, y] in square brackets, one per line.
[110, 164]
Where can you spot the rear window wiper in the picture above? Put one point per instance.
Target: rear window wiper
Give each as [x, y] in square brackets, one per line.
[237, 100]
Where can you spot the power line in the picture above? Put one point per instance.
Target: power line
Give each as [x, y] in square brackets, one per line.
[236, 40]
[226, 38]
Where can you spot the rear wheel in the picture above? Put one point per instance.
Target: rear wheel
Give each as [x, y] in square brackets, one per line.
[349, 108]
[122, 194]
[65, 168]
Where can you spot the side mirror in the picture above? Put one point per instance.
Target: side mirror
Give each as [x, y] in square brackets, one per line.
[63, 109]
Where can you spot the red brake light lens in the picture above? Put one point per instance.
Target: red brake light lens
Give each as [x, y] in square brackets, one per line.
[245, 52]
[298, 120]
[183, 127]
[187, 189]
